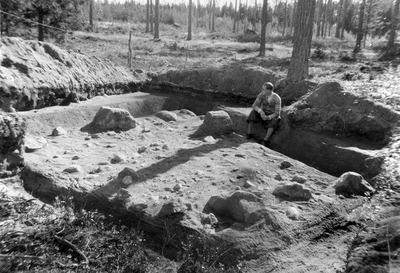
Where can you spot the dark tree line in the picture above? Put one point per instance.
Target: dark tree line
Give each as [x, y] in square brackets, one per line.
[360, 18]
[54, 17]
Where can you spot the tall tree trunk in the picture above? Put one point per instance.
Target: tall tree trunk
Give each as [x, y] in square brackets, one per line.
[298, 69]
[324, 7]
[339, 19]
[255, 16]
[198, 13]
[369, 13]
[209, 14]
[245, 19]
[392, 34]
[345, 7]
[319, 18]
[264, 21]
[1, 22]
[213, 17]
[189, 36]
[284, 19]
[329, 16]
[360, 30]
[151, 17]
[40, 25]
[238, 16]
[235, 16]
[157, 19]
[147, 16]
[294, 19]
[7, 25]
[91, 15]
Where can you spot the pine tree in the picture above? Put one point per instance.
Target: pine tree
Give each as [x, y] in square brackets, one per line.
[298, 69]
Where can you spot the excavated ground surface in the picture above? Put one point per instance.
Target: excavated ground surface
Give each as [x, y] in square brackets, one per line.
[165, 155]
[331, 234]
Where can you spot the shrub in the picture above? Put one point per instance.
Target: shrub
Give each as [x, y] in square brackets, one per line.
[202, 254]
[248, 38]
[62, 235]
[168, 20]
[318, 54]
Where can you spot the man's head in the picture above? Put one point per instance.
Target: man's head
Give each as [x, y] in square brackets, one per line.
[267, 88]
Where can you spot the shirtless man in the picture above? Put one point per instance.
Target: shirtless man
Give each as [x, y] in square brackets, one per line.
[267, 110]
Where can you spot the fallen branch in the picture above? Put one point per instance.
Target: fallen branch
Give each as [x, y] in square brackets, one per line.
[73, 247]
[5, 256]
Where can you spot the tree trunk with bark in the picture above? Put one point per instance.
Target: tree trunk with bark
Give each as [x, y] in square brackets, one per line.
[284, 20]
[392, 34]
[151, 17]
[360, 30]
[323, 25]
[294, 19]
[1, 22]
[147, 16]
[157, 20]
[345, 7]
[298, 69]
[213, 17]
[40, 25]
[189, 36]
[339, 19]
[235, 17]
[369, 13]
[91, 15]
[319, 20]
[263, 27]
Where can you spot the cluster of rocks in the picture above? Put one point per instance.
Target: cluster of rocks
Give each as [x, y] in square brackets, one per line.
[12, 134]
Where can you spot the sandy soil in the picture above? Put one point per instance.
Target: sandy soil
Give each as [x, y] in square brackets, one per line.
[173, 166]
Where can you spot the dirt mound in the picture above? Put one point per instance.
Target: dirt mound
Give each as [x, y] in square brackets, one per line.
[38, 74]
[332, 109]
[245, 80]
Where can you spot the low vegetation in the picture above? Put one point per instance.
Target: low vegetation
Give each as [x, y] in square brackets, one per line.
[60, 238]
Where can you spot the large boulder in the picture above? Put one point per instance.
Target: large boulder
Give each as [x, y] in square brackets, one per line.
[215, 123]
[167, 115]
[292, 192]
[241, 206]
[351, 183]
[112, 119]
[34, 143]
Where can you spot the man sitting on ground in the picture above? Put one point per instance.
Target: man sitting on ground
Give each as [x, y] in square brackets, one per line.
[267, 110]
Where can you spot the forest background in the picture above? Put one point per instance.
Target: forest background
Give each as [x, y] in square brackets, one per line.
[332, 18]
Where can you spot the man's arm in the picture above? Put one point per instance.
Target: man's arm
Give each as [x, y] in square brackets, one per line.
[257, 104]
[278, 107]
